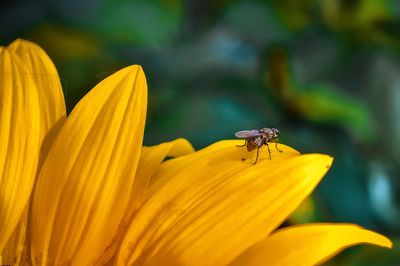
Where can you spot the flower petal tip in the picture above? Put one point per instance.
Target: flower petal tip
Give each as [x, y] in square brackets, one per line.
[386, 243]
[368, 236]
[135, 68]
[182, 147]
[324, 159]
[380, 240]
[24, 43]
[331, 159]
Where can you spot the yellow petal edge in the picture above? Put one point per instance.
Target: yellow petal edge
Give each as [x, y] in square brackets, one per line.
[308, 244]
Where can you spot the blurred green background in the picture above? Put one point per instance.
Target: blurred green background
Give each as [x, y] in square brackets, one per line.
[325, 72]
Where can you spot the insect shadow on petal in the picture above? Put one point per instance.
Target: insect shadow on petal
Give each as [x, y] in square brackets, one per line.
[256, 138]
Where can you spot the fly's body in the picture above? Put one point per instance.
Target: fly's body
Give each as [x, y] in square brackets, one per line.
[256, 138]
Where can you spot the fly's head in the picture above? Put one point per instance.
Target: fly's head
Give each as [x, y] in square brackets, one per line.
[275, 133]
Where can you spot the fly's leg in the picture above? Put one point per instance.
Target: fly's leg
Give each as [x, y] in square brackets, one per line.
[276, 145]
[258, 148]
[269, 152]
[245, 143]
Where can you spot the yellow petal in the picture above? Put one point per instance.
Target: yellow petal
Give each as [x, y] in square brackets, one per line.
[308, 244]
[150, 160]
[208, 207]
[51, 97]
[52, 115]
[19, 140]
[13, 251]
[85, 182]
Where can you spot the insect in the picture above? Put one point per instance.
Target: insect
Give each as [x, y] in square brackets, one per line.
[256, 138]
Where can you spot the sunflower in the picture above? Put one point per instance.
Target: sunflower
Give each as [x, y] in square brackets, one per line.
[82, 190]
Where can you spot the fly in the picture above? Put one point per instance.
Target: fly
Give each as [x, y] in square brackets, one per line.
[256, 138]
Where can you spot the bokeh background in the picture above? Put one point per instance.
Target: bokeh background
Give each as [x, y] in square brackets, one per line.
[325, 72]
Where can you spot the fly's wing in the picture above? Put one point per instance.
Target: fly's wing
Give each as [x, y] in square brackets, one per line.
[247, 134]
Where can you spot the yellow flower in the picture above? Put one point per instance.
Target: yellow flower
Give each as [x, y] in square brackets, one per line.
[100, 197]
